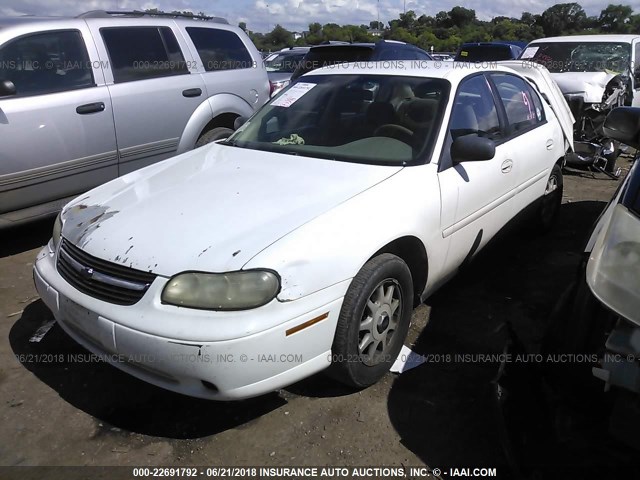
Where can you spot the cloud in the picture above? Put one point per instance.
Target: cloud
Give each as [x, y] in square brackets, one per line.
[296, 15]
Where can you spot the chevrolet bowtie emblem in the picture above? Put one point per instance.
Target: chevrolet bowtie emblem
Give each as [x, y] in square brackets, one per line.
[87, 272]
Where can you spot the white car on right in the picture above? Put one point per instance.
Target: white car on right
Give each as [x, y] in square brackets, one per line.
[596, 73]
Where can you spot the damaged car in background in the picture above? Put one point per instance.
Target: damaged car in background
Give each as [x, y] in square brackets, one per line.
[304, 241]
[596, 74]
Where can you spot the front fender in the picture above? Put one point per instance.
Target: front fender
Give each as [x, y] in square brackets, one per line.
[334, 246]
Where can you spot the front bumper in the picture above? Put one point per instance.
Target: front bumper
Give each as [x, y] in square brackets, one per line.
[214, 355]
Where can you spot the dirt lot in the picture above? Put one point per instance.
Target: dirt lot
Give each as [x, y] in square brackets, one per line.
[443, 414]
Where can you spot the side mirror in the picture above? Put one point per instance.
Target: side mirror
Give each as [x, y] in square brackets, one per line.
[239, 121]
[623, 124]
[7, 88]
[471, 148]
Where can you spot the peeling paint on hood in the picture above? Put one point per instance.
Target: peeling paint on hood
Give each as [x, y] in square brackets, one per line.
[591, 85]
[212, 209]
[83, 221]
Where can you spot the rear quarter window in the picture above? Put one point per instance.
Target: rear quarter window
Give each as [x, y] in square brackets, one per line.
[220, 49]
[522, 104]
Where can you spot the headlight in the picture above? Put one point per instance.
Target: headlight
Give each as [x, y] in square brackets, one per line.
[222, 291]
[613, 271]
[57, 232]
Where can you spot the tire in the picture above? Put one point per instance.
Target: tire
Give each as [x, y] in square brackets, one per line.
[551, 200]
[212, 135]
[382, 281]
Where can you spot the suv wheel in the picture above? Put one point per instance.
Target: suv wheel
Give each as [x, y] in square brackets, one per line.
[212, 135]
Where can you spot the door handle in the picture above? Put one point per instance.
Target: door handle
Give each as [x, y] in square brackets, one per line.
[506, 167]
[191, 92]
[90, 108]
[549, 144]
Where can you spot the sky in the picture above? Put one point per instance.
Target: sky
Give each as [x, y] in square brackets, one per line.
[295, 15]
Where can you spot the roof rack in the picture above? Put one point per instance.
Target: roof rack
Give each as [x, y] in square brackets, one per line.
[138, 13]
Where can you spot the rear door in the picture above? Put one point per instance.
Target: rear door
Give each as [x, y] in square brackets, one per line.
[154, 87]
[57, 130]
[534, 135]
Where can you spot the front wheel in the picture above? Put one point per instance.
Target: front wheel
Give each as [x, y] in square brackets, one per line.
[373, 322]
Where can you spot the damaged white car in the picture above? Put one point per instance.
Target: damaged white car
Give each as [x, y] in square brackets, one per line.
[304, 240]
[596, 73]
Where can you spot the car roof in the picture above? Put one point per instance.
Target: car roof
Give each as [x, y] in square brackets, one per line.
[378, 44]
[133, 17]
[588, 38]
[452, 71]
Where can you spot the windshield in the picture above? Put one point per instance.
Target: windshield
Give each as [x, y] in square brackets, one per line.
[580, 57]
[283, 62]
[375, 119]
[484, 53]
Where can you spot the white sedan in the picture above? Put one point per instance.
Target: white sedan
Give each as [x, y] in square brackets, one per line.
[304, 240]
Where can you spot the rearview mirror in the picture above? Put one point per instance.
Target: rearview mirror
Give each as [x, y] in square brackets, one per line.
[7, 88]
[471, 148]
[623, 124]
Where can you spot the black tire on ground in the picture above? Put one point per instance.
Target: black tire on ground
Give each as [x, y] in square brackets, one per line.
[373, 322]
[550, 202]
[212, 135]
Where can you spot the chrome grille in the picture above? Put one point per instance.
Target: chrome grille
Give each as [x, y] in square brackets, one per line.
[101, 279]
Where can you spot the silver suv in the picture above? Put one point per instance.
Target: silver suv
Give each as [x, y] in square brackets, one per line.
[84, 100]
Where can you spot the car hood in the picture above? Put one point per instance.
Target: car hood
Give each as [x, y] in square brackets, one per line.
[211, 209]
[589, 85]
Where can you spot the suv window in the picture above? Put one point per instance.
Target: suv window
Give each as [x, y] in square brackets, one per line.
[521, 103]
[46, 63]
[220, 49]
[474, 111]
[140, 53]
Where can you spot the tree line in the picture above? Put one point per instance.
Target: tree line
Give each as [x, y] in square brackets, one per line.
[446, 31]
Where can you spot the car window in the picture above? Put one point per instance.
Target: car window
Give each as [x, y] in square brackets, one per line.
[220, 49]
[521, 103]
[284, 63]
[140, 53]
[422, 55]
[474, 111]
[46, 63]
[375, 119]
[484, 53]
[397, 53]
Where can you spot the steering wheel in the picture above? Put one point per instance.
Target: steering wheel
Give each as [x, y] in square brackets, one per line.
[398, 132]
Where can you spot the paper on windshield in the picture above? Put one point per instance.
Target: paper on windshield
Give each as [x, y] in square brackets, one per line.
[292, 95]
[529, 52]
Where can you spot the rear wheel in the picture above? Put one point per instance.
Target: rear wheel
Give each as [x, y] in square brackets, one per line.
[373, 322]
[551, 200]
